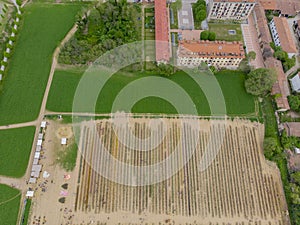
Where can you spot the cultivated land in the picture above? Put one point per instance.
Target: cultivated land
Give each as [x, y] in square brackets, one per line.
[15, 148]
[232, 84]
[23, 88]
[222, 34]
[9, 204]
[239, 187]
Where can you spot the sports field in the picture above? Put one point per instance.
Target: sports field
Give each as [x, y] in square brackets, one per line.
[15, 147]
[24, 84]
[9, 204]
[238, 102]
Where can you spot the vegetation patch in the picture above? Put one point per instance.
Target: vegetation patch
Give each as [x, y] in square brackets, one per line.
[199, 13]
[222, 33]
[67, 156]
[110, 24]
[9, 204]
[15, 148]
[238, 102]
[28, 70]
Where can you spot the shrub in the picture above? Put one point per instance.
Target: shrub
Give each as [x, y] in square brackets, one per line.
[204, 35]
[212, 36]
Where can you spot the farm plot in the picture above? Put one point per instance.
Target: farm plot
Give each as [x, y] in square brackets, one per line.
[24, 84]
[15, 148]
[9, 204]
[239, 187]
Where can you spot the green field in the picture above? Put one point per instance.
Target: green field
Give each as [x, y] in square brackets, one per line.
[221, 31]
[15, 148]
[9, 205]
[238, 102]
[44, 26]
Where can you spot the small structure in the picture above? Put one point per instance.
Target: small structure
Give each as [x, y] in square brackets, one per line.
[292, 128]
[43, 124]
[297, 150]
[35, 170]
[295, 83]
[46, 175]
[39, 143]
[63, 141]
[38, 148]
[29, 194]
[32, 180]
[41, 135]
[37, 155]
[35, 161]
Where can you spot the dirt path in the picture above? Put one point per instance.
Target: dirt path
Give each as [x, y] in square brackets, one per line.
[18, 125]
[18, 183]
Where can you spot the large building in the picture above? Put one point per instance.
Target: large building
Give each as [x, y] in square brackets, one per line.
[282, 35]
[230, 9]
[220, 54]
[284, 7]
[162, 48]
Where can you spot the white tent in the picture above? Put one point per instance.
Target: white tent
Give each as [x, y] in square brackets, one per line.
[64, 141]
[46, 174]
[29, 194]
[41, 135]
[43, 124]
[37, 155]
[38, 148]
[32, 180]
[39, 143]
[35, 161]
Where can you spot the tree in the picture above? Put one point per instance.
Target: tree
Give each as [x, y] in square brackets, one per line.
[271, 147]
[212, 36]
[260, 81]
[296, 177]
[281, 55]
[204, 35]
[252, 55]
[294, 102]
[177, 5]
[166, 69]
[201, 15]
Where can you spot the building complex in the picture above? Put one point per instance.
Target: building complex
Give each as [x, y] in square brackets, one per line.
[220, 54]
[230, 9]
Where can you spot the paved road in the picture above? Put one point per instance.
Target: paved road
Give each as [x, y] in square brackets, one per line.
[185, 16]
[250, 38]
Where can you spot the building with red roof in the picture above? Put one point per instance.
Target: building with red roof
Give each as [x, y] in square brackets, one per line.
[161, 31]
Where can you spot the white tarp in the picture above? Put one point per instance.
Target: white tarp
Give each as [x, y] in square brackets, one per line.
[29, 193]
[46, 174]
[39, 143]
[32, 180]
[64, 141]
[37, 155]
[43, 124]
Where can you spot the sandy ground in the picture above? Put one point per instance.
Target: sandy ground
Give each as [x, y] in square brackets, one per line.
[223, 194]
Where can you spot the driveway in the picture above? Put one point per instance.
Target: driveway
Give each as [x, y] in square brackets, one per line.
[185, 15]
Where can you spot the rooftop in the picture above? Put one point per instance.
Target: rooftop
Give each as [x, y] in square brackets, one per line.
[292, 128]
[281, 85]
[242, 1]
[289, 7]
[262, 24]
[286, 40]
[215, 49]
[161, 31]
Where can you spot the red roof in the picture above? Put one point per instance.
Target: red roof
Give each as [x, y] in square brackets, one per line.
[161, 31]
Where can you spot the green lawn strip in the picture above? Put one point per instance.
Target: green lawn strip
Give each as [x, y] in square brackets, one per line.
[222, 34]
[15, 148]
[44, 26]
[232, 84]
[9, 205]
[26, 212]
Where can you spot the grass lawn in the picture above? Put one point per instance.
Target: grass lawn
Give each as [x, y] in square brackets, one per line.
[9, 204]
[232, 84]
[221, 31]
[15, 147]
[44, 26]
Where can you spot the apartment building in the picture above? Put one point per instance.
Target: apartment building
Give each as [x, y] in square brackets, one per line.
[220, 54]
[230, 9]
[282, 35]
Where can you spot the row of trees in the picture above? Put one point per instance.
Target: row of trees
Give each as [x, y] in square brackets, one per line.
[208, 35]
[281, 55]
[199, 10]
